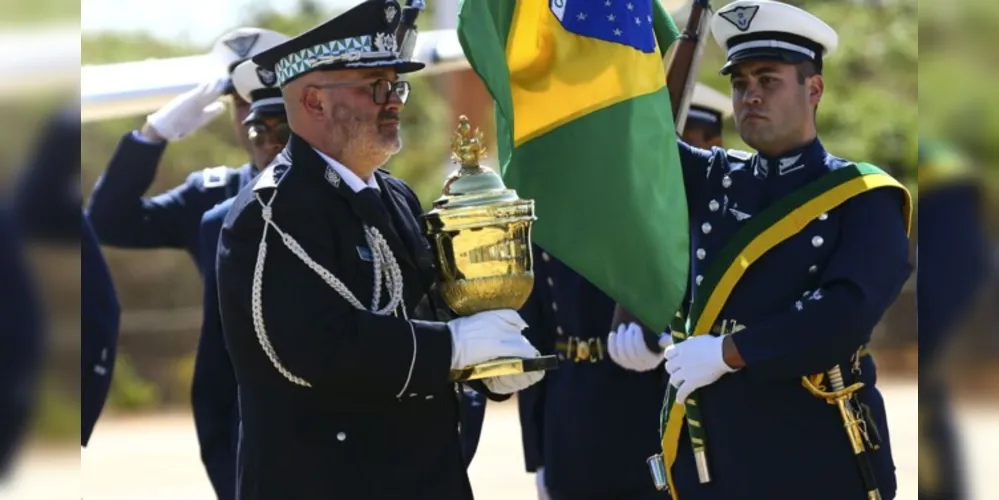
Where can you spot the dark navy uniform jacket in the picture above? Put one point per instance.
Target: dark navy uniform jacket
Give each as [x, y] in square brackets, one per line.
[124, 218]
[806, 305]
[21, 338]
[213, 392]
[376, 422]
[48, 206]
[591, 423]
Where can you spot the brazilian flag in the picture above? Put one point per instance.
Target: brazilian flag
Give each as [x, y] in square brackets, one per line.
[585, 128]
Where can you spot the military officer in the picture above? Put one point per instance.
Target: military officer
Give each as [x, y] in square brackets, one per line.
[327, 291]
[709, 109]
[784, 286]
[213, 392]
[120, 214]
[952, 265]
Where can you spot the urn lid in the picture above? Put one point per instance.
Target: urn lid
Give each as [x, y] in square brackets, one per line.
[472, 184]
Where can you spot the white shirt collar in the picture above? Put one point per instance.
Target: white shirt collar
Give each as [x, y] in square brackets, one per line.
[352, 180]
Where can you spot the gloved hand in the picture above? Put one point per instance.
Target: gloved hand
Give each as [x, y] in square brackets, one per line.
[189, 111]
[539, 478]
[489, 335]
[695, 363]
[627, 348]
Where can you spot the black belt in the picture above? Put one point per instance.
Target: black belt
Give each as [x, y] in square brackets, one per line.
[579, 350]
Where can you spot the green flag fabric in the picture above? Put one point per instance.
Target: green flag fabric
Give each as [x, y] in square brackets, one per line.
[584, 128]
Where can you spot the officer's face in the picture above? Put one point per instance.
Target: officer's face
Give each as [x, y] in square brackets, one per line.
[774, 109]
[267, 137]
[362, 116]
[239, 110]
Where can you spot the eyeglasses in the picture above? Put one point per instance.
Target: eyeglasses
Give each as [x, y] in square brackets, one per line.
[260, 133]
[381, 90]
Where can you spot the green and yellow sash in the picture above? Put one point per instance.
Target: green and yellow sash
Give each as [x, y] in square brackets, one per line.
[763, 232]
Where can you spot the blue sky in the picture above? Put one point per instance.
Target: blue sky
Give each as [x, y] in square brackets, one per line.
[196, 21]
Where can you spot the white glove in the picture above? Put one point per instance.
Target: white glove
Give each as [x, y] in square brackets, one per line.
[189, 111]
[489, 335]
[627, 348]
[695, 363]
[539, 477]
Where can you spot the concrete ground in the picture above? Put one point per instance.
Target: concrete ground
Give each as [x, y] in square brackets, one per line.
[156, 457]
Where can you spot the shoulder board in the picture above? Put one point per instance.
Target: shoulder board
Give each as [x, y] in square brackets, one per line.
[270, 177]
[739, 154]
[214, 177]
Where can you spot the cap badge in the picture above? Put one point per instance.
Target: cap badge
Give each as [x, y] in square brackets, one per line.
[741, 17]
[386, 42]
[267, 77]
[390, 12]
[242, 45]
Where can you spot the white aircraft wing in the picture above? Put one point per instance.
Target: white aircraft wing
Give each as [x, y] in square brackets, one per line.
[119, 90]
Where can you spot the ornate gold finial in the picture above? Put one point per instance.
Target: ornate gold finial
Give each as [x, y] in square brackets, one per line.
[467, 147]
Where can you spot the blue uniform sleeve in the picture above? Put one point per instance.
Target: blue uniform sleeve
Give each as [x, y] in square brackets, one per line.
[122, 217]
[48, 199]
[214, 390]
[100, 317]
[862, 279]
[953, 250]
[531, 401]
[21, 341]
[696, 164]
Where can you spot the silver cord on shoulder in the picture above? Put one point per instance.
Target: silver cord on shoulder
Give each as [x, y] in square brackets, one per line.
[386, 274]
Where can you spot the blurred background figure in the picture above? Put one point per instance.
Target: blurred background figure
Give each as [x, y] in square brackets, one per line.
[21, 337]
[953, 262]
[958, 300]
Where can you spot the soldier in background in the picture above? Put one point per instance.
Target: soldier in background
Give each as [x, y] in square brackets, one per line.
[709, 110]
[952, 265]
[120, 214]
[214, 390]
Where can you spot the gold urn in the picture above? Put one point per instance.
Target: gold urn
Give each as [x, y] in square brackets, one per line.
[481, 236]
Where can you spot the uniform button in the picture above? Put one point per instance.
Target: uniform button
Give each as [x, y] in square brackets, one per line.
[814, 269]
[340, 436]
[545, 257]
[726, 181]
[701, 253]
[429, 396]
[554, 306]
[713, 205]
[824, 216]
[706, 227]
[558, 330]
[698, 279]
[817, 241]
[551, 282]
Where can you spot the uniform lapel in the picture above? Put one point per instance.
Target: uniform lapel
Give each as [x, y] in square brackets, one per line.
[403, 218]
[364, 206]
